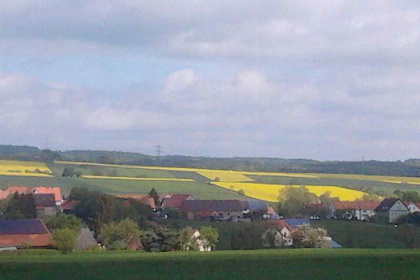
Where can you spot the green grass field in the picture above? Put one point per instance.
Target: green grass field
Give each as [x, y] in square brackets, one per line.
[199, 188]
[262, 264]
[357, 234]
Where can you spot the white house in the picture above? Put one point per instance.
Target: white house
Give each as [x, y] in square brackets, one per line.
[360, 210]
[412, 207]
[394, 208]
[281, 231]
[200, 243]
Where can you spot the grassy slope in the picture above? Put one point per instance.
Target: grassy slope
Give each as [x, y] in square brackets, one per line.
[263, 264]
[387, 188]
[200, 190]
[361, 234]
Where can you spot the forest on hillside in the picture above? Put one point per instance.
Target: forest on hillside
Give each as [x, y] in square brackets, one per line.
[409, 167]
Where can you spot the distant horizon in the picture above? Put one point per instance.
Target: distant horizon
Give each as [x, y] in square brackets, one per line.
[206, 156]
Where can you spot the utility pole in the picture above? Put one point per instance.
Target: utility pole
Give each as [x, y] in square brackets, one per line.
[158, 151]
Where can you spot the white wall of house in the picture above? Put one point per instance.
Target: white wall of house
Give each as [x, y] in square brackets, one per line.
[397, 210]
[413, 208]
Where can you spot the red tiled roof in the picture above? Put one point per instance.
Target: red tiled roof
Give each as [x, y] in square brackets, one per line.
[360, 205]
[21, 240]
[314, 205]
[19, 233]
[11, 190]
[176, 200]
[200, 206]
[145, 199]
[69, 204]
[42, 190]
[277, 224]
[46, 190]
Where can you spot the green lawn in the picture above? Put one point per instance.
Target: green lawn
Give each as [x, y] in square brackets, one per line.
[357, 234]
[57, 170]
[262, 264]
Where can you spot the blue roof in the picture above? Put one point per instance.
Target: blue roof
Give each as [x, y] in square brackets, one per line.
[297, 222]
[335, 244]
[22, 227]
[257, 205]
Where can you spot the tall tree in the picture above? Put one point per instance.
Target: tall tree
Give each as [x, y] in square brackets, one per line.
[154, 194]
[293, 200]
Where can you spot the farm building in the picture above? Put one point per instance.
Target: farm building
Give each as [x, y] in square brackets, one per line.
[56, 191]
[45, 204]
[24, 233]
[68, 205]
[393, 208]
[212, 209]
[254, 208]
[145, 199]
[360, 210]
[196, 241]
[412, 207]
[175, 201]
[281, 232]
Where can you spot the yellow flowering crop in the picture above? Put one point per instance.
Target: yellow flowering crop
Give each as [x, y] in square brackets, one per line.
[270, 192]
[24, 168]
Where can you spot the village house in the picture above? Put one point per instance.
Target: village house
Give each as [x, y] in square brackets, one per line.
[197, 241]
[56, 191]
[412, 207]
[393, 208]
[174, 201]
[68, 206]
[45, 204]
[144, 199]
[348, 210]
[220, 210]
[254, 208]
[281, 233]
[24, 233]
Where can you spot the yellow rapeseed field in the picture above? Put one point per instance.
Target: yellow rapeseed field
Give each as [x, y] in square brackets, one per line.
[241, 176]
[137, 179]
[24, 168]
[271, 192]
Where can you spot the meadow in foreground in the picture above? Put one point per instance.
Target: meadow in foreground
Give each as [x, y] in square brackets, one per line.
[262, 264]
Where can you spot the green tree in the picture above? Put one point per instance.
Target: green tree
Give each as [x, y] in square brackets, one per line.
[78, 193]
[64, 240]
[154, 194]
[293, 200]
[412, 196]
[309, 237]
[120, 235]
[20, 206]
[211, 234]
[62, 221]
[68, 172]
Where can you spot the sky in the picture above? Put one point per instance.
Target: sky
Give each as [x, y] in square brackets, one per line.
[331, 80]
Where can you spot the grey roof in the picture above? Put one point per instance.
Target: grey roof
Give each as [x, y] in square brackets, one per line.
[22, 227]
[297, 222]
[257, 205]
[44, 199]
[212, 205]
[386, 204]
[335, 244]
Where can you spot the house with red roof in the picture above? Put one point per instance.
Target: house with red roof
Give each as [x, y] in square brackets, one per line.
[412, 207]
[359, 210]
[68, 205]
[220, 210]
[145, 199]
[175, 201]
[24, 233]
[45, 204]
[281, 233]
[56, 191]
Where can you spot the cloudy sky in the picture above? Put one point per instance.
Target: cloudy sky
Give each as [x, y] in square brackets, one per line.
[335, 80]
